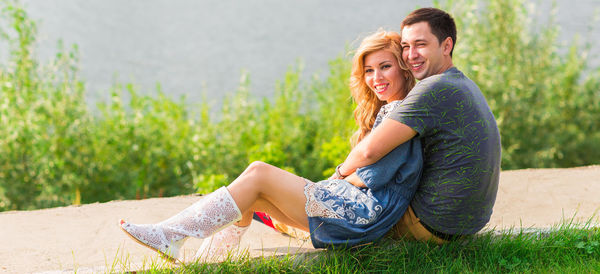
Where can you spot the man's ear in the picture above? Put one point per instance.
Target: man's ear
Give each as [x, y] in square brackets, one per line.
[447, 45]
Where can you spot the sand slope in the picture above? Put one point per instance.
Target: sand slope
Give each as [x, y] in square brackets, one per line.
[87, 239]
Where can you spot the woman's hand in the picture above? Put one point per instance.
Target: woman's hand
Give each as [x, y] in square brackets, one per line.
[352, 178]
[334, 176]
[355, 180]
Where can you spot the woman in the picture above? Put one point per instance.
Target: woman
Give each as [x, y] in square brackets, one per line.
[344, 210]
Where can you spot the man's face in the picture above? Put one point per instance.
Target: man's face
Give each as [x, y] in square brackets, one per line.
[422, 51]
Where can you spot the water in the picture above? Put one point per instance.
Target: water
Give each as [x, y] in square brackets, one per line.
[194, 47]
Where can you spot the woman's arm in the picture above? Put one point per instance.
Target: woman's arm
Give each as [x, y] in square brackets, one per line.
[383, 139]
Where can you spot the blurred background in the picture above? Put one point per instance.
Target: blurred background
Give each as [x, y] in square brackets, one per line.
[105, 100]
[191, 47]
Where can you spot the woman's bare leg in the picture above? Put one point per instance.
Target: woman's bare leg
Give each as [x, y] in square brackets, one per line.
[272, 210]
[282, 190]
[260, 185]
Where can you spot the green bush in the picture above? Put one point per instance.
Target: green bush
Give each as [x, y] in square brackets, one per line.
[55, 151]
[44, 124]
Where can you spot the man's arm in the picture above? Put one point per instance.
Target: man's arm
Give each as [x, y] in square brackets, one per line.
[383, 139]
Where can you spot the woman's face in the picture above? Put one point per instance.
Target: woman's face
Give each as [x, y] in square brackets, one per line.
[384, 76]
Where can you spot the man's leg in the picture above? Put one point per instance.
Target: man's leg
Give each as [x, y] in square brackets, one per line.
[410, 227]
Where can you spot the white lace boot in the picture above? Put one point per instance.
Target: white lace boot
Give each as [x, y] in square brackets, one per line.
[202, 219]
[221, 243]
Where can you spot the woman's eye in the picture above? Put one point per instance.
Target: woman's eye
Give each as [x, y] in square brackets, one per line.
[368, 70]
[386, 66]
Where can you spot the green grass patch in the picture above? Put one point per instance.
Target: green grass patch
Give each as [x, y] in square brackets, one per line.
[564, 250]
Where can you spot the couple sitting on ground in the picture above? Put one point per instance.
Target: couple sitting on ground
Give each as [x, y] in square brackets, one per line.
[424, 165]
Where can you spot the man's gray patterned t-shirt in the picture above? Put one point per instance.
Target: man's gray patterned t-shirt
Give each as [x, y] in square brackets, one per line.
[461, 152]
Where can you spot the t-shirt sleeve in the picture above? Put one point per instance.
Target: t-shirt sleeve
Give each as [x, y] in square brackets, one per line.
[422, 107]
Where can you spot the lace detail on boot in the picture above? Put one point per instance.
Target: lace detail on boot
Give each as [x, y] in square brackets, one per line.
[206, 216]
[202, 219]
[220, 244]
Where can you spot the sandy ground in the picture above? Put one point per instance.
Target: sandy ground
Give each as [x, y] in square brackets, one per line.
[87, 239]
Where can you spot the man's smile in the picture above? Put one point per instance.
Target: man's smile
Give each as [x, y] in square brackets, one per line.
[416, 66]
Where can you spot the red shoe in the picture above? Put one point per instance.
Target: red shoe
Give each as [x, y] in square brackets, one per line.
[265, 219]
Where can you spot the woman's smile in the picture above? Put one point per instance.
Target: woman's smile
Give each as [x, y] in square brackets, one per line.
[381, 88]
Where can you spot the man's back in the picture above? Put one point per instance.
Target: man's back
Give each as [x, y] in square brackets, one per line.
[461, 147]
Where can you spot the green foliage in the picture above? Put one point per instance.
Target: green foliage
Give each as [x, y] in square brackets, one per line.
[141, 149]
[43, 122]
[55, 151]
[289, 132]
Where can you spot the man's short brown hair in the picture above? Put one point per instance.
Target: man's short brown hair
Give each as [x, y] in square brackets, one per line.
[441, 23]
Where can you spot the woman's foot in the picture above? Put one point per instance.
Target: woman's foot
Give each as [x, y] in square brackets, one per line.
[156, 238]
[202, 219]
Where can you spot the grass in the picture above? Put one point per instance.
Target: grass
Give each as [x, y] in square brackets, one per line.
[565, 249]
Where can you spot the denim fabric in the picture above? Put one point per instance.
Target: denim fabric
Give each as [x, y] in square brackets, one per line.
[364, 215]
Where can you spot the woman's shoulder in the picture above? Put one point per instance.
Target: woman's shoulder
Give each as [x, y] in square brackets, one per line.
[389, 107]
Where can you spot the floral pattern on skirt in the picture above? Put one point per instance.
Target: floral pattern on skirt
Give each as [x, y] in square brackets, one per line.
[338, 199]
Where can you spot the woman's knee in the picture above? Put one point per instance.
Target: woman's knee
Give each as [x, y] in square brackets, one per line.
[256, 172]
[258, 168]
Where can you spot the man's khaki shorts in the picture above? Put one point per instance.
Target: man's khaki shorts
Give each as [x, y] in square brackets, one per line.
[409, 227]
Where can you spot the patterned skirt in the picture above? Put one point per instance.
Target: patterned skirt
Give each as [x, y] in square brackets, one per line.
[340, 213]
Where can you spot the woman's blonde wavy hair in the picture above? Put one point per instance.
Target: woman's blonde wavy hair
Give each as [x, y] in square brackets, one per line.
[368, 104]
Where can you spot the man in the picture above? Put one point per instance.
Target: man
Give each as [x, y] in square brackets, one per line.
[458, 132]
